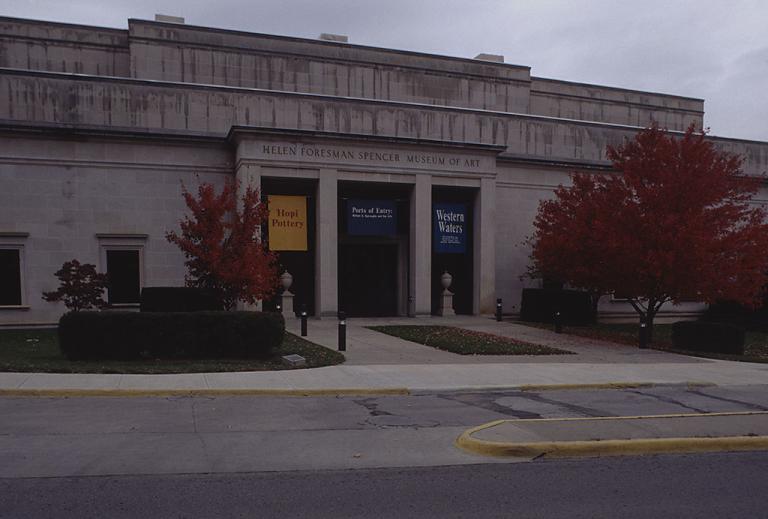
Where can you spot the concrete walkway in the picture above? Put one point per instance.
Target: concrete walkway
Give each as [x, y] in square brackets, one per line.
[367, 347]
[566, 437]
[378, 362]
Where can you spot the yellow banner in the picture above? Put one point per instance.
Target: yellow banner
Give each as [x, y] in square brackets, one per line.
[287, 223]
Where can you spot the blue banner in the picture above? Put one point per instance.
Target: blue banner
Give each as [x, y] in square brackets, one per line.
[449, 227]
[371, 217]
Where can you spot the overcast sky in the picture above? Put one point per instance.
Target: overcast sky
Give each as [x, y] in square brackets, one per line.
[707, 49]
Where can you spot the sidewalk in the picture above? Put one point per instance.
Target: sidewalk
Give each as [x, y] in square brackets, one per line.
[567, 437]
[367, 347]
[380, 363]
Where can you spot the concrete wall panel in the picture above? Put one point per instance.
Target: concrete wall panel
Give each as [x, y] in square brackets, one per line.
[33, 45]
[63, 99]
[206, 56]
[579, 101]
[64, 192]
[199, 55]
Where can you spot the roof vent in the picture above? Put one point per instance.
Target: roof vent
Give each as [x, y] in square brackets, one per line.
[168, 19]
[338, 38]
[496, 58]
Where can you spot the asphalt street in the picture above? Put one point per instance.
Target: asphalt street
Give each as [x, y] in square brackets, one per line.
[703, 486]
[377, 456]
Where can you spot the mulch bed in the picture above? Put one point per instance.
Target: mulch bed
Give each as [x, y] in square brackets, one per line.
[466, 342]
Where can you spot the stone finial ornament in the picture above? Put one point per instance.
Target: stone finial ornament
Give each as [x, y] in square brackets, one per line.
[446, 279]
[286, 280]
[446, 298]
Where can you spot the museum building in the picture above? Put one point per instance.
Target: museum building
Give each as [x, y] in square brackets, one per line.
[383, 168]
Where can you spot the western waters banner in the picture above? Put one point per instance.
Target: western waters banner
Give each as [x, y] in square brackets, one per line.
[449, 228]
[371, 217]
[287, 223]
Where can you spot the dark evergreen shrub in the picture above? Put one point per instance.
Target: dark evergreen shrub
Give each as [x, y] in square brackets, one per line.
[708, 337]
[158, 335]
[540, 304]
[733, 313]
[179, 299]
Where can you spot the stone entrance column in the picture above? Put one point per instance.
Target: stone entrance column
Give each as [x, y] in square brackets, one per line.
[420, 264]
[327, 239]
[247, 175]
[485, 248]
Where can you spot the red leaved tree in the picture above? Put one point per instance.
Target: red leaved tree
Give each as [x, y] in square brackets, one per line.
[673, 222]
[220, 240]
[80, 288]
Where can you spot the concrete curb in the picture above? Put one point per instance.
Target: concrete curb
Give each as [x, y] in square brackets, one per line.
[318, 392]
[609, 385]
[558, 387]
[127, 393]
[581, 448]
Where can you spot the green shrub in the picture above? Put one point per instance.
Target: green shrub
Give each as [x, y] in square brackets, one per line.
[755, 319]
[540, 304]
[156, 335]
[179, 299]
[708, 337]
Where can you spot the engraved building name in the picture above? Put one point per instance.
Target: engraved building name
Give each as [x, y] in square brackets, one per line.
[404, 158]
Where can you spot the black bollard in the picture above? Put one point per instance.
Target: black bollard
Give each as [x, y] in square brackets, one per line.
[558, 322]
[342, 331]
[278, 309]
[498, 310]
[643, 334]
[304, 320]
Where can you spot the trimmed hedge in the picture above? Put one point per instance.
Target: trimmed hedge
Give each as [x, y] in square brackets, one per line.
[733, 313]
[179, 299]
[157, 335]
[708, 337]
[540, 304]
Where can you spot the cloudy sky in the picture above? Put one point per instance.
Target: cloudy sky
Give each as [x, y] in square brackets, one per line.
[707, 49]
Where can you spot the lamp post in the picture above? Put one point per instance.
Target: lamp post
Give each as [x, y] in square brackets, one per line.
[342, 331]
[558, 322]
[643, 334]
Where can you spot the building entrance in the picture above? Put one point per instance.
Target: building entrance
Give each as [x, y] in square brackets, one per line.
[368, 284]
[299, 263]
[373, 249]
[456, 260]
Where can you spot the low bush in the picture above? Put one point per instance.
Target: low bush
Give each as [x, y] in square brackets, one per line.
[755, 319]
[179, 299]
[157, 335]
[708, 337]
[539, 305]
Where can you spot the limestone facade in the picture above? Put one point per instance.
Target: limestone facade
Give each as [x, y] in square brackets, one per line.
[102, 126]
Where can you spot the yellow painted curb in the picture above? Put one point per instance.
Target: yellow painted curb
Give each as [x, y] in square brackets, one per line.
[60, 393]
[606, 385]
[563, 449]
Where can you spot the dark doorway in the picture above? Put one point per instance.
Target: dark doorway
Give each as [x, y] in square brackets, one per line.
[301, 264]
[373, 259]
[123, 274]
[459, 265]
[368, 279]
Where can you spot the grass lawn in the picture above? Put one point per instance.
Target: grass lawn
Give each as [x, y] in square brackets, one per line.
[38, 350]
[755, 343]
[466, 342]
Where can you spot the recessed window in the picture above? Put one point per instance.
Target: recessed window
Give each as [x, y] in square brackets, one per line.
[10, 277]
[122, 260]
[124, 275]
